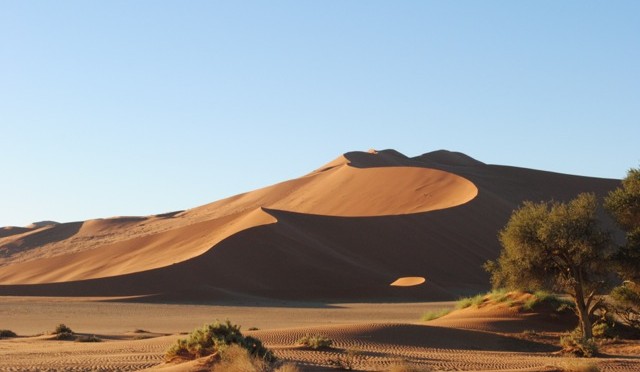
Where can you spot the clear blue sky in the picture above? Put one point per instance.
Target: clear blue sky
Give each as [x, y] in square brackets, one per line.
[139, 107]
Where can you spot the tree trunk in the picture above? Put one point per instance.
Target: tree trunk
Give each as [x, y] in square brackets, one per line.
[583, 314]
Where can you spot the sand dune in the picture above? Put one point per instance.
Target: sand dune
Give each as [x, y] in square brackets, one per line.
[344, 231]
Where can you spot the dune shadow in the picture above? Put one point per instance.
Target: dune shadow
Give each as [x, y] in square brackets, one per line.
[168, 214]
[451, 338]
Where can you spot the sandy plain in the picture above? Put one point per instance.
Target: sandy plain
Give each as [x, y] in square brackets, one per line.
[136, 335]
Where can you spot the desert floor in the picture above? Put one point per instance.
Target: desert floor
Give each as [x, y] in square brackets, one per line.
[369, 336]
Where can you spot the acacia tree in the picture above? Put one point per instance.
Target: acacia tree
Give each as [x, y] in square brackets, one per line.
[559, 247]
[623, 204]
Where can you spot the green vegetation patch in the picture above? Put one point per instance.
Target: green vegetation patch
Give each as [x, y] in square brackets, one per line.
[315, 341]
[435, 314]
[214, 338]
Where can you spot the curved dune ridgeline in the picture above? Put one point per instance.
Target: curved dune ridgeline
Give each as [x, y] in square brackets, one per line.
[344, 231]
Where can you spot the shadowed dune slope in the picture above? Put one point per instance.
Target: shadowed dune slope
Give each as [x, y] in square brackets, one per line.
[344, 231]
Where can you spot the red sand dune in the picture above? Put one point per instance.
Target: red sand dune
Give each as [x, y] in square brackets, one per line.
[344, 231]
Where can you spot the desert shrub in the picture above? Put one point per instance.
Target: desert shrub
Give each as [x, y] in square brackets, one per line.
[235, 358]
[476, 301]
[406, 367]
[213, 338]
[91, 338]
[61, 328]
[315, 341]
[64, 336]
[253, 329]
[575, 343]
[541, 298]
[627, 304]
[346, 361]
[431, 315]
[603, 330]
[7, 333]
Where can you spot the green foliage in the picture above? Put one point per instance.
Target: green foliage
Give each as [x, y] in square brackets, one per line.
[575, 343]
[213, 338]
[627, 304]
[559, 247]
[315, 341]
[7, 333]
[623, 203]
[603, 330]
[431, 315]
[476, 301]
[499, 295]
[543, 298]
[61, 328]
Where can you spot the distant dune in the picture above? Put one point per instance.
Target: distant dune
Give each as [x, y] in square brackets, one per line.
[342, 232]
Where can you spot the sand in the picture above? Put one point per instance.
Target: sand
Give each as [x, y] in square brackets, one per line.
[356, 250]
[379, 334]
[340, 233]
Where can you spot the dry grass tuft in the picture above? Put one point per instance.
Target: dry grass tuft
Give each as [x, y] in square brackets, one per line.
[315, 341]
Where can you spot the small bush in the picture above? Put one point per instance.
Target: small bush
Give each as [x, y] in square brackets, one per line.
[346, 361]
[7, 333]
[602, 330]
[315, 341]
[61, 328]
[476, 301]
[431, 315]
[64, 336]
[214, 338]
[627, 304]
[575, 344]
[91, 338]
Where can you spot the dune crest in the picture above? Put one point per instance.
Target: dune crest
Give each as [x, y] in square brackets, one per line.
[346, 230]
[130, 256]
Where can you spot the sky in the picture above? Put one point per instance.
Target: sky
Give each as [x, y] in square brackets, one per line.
[112, 108]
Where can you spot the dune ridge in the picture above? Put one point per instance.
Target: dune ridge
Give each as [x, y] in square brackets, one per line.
[345, 230]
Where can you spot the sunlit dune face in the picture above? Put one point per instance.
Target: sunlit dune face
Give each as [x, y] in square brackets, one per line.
[408, 281]
[132, 245]
[366, 192]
